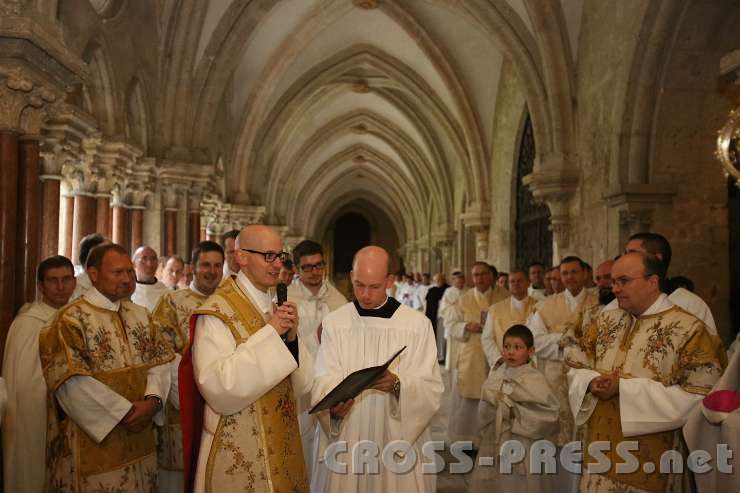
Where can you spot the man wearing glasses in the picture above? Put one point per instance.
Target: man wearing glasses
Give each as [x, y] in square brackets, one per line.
[248, 365]
[315, 297]
[636, 374]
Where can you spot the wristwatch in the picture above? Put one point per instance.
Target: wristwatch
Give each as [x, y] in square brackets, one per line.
[159, 402]
[397, 387]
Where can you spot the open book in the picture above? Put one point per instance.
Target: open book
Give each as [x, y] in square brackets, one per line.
[353, 384]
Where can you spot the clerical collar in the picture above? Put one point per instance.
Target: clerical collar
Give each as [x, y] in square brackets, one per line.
[195, 289]
[261, 298]
[660, 305]
[97, 298]
[386, 310]
[574, 300]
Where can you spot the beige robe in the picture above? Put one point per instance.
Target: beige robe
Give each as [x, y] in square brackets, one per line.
[666, 360]
[171, 319]
[553, 317]
[516, 404]
[117, 349]
[501, 316]
[24, 426]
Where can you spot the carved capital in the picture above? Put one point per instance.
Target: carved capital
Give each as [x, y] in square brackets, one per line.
[477, 215]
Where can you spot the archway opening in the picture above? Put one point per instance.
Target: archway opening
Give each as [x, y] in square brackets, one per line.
[351, 232]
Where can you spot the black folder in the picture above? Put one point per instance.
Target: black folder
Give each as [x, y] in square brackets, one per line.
[353, 384]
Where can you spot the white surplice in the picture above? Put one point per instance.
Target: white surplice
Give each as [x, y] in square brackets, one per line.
[351, 342]
[220, 366]
[446, 308]
[148, 295]
[24, 426]
[83, 283]
[312, 308]
[94, 406]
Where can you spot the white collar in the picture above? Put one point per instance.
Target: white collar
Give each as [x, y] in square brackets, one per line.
[661, 304]
[323, 291]
[518, 304]
[194, 289]
[261, 298]
[97, 298]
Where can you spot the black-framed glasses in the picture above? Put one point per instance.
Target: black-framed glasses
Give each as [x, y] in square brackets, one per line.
[270, 257]
[312, 267]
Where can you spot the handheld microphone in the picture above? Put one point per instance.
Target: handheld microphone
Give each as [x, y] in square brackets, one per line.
[282, 293]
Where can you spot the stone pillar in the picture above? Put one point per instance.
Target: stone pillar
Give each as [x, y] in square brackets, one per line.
[120, 224]
[194, 229]
[136, 213]
[69, 211]
[170, 231]
[8, 225]
[29, 221]
[51, 205]
[102, 212]
[84, 221]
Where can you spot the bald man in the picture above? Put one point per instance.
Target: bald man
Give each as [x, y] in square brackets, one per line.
[148, 289]
[240, 379]
[400, 404]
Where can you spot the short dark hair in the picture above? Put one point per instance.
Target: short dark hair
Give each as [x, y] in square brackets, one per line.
[95, 259]
[572, 258]
[522, 332]
[682, 282]
[501, 274]
[491, 268]
[53, 262]
[288, 264]
[534, 264]
[519, 271]
[304, 249]
[458, 273]
[654, 267]
[230, 234]
[655, 244]
[88, 243]
[203, 247]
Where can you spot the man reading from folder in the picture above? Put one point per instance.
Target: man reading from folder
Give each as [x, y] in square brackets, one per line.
[401, 403]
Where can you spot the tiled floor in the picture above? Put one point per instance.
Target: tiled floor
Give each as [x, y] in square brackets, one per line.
[446, 482]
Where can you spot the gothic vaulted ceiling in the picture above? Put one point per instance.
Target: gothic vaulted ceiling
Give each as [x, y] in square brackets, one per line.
[388, 101]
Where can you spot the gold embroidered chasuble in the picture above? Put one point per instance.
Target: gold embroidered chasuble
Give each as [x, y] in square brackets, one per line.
[671, 347]
[472, 365]
[503, 316]
[117, 349]
[257, 449]
[559, 318]
[171, 318]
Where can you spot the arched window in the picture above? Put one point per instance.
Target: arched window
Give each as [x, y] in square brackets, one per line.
[532, 224]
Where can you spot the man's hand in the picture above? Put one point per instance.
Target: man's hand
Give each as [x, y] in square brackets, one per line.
[285, 320]
[604, 387]
[140, 415]
[473, 327]
[386, 382]
[342, 409]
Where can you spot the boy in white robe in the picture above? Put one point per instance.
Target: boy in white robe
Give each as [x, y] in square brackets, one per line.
[401, 404]
[516, 404]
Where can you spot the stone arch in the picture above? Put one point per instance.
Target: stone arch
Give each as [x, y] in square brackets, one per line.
[101, 87]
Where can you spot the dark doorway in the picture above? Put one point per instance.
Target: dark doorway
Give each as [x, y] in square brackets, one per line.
[351, 232]
[733, 211]
[532, 224]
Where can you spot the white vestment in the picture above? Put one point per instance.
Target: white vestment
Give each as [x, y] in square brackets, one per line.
[220, 366]
[311, 312]
[538, 294]
[83, 284]
[687, 300]
[421, 297]
[352, 342]
[148, 295]
[446, 309]
[24, 426]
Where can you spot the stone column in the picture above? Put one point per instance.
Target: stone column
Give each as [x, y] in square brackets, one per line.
[51, 205]
[84, 222]
[120, 224]
[69, 210]
[194, 228]
[102, 212]
[170, 200]
[29, 220]
[136, 214]
[8, 224]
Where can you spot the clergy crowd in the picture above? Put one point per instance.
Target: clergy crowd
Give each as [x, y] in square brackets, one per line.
[136, 373]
